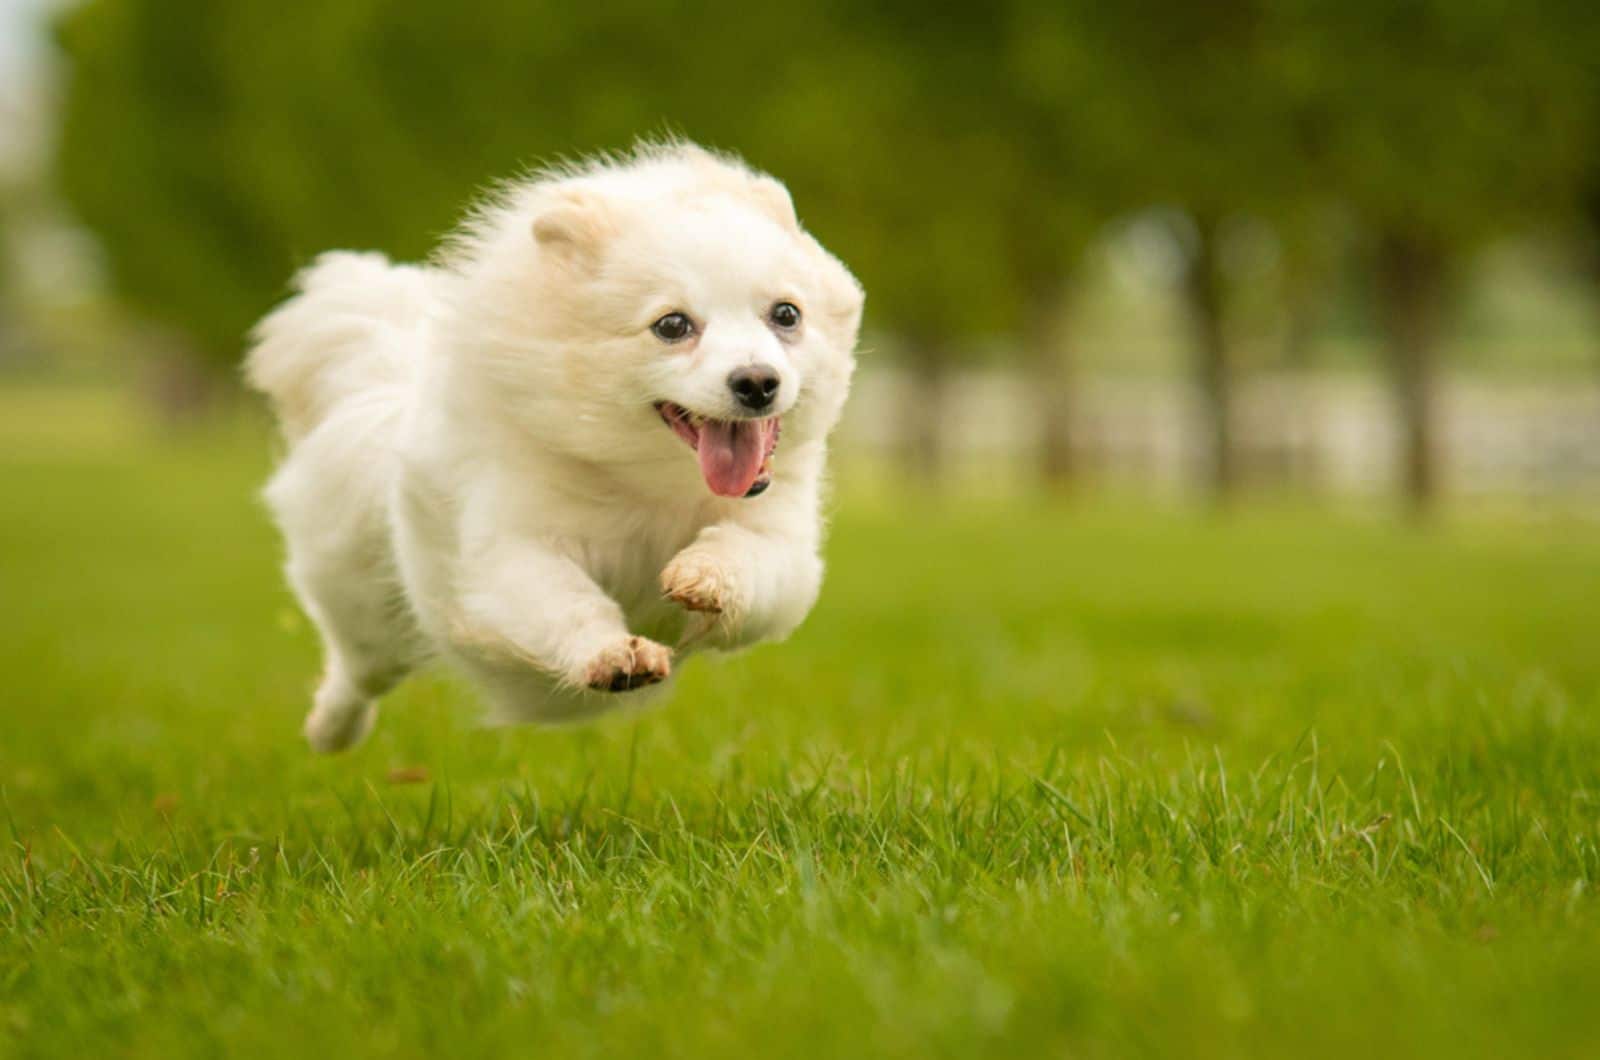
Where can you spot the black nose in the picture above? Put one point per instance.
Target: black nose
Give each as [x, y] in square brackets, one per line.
[755, 385]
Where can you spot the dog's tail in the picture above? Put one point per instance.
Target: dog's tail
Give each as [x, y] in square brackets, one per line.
[350, 331]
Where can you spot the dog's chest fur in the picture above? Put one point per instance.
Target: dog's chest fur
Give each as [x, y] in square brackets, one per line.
[627, 566]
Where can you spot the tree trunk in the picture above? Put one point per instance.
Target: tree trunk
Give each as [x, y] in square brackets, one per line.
[1302, 305]
[922, 421]
[1053, 388]
[1410, 277]
[1213, 364]
[1303, 297]
[182, 387]
[1591, 210]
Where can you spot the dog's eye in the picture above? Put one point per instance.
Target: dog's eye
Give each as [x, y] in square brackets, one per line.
[785, 316]
[673, 327]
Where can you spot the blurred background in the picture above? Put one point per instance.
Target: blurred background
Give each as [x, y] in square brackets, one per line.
[1207, 252]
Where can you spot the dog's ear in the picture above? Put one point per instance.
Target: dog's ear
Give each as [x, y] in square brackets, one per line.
[572, 228]
[773, 198]
[842, 296]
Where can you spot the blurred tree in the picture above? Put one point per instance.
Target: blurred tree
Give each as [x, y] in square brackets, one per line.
[1586, 45]
[1592, 218]
[1069, 179]
[1025, 194]
[142, 157]
[214, 147]
[1442, 124]
[1179, 118]
[892, 132]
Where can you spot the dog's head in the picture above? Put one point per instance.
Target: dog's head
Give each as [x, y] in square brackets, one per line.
[670, 309]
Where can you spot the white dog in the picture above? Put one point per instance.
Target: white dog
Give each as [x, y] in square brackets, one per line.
[556, 451]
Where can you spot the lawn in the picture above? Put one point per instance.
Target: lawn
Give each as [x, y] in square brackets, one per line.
[1035, 779]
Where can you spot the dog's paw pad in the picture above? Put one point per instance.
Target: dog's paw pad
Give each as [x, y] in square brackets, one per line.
[697, 583]
[629, 664]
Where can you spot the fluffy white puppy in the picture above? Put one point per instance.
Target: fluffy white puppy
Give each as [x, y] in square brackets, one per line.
[555, 451]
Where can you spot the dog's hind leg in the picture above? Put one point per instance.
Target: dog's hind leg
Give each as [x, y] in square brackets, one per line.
[364, 641]
[341, 714]
[330, 500]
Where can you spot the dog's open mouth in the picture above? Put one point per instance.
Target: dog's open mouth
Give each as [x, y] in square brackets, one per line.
[735, 455]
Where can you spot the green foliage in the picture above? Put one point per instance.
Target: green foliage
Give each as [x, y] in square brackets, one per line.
[959, 158]
[215, 147]
[1450, 121]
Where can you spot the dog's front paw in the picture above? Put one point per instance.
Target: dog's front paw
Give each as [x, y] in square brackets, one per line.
[633, 662]
[697, 582]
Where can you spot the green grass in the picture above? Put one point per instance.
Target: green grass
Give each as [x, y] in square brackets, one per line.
[1033, 780]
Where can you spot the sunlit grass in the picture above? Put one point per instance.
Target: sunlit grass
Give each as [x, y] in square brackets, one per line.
[1034, 779]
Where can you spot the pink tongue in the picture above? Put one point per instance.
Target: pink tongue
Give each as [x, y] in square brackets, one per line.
[730, 456]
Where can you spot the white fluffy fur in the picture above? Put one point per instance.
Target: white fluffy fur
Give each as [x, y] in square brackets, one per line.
[476, 468]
